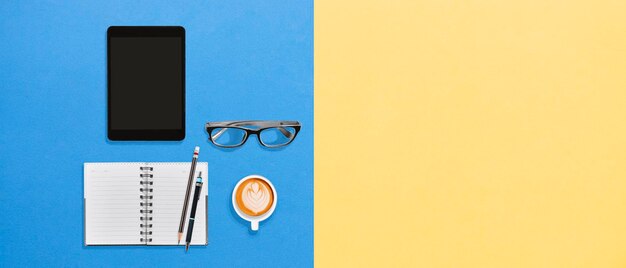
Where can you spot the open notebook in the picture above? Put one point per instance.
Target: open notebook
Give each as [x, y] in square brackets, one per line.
[140, 203]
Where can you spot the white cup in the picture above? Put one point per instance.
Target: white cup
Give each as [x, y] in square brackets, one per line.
[254, 220]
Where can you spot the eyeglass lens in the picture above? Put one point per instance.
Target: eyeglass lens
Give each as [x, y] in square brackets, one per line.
[228, 136]
[277, 136]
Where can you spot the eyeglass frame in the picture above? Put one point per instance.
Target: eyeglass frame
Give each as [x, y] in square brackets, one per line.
[262, 124]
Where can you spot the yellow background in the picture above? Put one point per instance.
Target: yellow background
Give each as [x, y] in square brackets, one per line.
[470, 133]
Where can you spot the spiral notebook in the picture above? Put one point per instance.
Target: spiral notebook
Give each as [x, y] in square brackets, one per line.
[140, 203]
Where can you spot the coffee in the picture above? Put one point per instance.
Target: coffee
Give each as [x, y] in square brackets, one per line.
[254, 196]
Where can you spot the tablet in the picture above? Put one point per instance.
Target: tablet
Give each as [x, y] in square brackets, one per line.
[146, 82]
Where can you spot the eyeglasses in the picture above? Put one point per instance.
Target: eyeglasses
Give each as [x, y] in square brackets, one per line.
[272, 134]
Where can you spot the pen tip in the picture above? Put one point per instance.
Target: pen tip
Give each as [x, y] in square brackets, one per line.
[186, 247]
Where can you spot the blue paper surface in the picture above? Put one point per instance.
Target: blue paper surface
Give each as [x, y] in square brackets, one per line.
[245, 60]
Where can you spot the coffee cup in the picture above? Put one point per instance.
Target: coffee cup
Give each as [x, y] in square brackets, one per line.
[254, 199]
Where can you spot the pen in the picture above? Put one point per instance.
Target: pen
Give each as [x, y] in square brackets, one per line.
[194, 205]
[186, 202]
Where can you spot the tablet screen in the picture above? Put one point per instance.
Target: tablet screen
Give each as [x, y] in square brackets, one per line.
[146, 83]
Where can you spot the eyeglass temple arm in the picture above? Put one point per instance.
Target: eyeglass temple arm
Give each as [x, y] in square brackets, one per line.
[218, 134]
[259, 123]
[285, 132]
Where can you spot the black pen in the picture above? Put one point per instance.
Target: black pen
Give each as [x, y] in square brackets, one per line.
[194, 205]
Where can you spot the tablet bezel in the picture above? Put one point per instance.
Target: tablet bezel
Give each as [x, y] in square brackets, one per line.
[145, 134]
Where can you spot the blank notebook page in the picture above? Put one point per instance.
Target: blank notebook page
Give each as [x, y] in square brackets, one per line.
[169, 193]
[116, 213]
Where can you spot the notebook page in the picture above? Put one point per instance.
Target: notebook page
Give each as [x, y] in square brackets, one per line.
[111, 192]
[170, 182]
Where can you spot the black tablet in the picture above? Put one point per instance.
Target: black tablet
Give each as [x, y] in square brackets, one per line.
[146, 82]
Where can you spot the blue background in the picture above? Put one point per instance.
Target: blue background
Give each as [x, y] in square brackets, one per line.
[245, 60]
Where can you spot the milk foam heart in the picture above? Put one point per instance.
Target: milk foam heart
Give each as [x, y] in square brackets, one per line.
[254, 197]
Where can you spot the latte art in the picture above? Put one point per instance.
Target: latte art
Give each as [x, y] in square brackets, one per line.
[254, 197]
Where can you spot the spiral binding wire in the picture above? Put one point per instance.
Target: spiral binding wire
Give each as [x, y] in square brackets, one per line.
[146, 203]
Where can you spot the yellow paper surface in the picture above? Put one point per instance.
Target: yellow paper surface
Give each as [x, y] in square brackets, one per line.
[470, 133]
